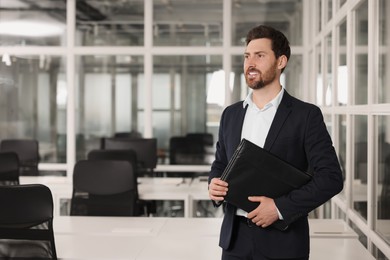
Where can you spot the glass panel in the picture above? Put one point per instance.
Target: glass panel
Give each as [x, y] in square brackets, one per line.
[342, 145]
[188, 97]
[361, 57]
[251, 13]
[40, 23]
[382, 166]
[329, 72]
[342, 2]
[342, 69]
[384, 53]
[330, 11]
[378, 254]
[240, 88]
[362, 237]
[359, 187]
[292, 78]
[187, 23]
[33, 97]
[318, 17]
[108, 98]
[102, 23]
[319, 80]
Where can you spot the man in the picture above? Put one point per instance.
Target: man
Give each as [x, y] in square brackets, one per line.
[292, 130]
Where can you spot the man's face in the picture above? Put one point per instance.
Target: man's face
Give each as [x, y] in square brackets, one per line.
[260, 65]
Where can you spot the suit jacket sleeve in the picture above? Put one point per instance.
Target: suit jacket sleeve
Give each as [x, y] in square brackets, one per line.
[229, 137]
[322, 162]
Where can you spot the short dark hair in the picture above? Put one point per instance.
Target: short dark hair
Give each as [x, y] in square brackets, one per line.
[280, 44]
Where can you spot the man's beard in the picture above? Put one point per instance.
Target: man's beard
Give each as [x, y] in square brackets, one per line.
[265, 78]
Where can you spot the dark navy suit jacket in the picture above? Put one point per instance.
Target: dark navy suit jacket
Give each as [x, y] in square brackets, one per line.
[299, 136]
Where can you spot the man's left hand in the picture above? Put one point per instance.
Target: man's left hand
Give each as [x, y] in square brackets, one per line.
[266, 213]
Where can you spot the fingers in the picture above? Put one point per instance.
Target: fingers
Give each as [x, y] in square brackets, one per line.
[265, 214]
[256, 198]
[259, 219]
[261, 222]
[217, 189]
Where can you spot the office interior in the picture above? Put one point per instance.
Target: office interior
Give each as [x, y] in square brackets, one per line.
[73, 72]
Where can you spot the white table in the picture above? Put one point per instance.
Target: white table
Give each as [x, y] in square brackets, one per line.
[178, 238]
[190, 169]
[152, 188]
[180, 248]
[60, 188]
[108, 226]
[168, 227]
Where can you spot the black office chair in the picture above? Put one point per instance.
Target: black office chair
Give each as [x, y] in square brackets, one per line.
[27, 151]
[145, 148]
[132, 134]
[103, 188]
[143, 207]
[206, 139]
[9, 168]
[184, 150]
[26, 222]
[120, 155]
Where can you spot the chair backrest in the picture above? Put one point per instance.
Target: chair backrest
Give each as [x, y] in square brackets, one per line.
[116, 155]
[146, 149]
[204, 138]
[27, 151]
[26, 222]
[132, 134]
[9, 168]
[103, 188]
[186, 150]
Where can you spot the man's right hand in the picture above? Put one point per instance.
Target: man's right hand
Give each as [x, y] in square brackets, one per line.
[217, 189]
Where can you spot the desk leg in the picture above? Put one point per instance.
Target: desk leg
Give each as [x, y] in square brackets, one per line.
[188, 207]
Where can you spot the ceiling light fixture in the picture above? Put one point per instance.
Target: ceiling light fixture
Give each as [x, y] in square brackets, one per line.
[31, 28]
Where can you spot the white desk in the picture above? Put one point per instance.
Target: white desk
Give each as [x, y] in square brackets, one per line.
[177, 239]
[166, 189]
[149, 189]
[182, 168]
[168, 227]
[108, 226]
[60, 188]
[188, 248]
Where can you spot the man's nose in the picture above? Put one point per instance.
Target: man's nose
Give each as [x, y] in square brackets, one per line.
[250, 63]
[251, 66]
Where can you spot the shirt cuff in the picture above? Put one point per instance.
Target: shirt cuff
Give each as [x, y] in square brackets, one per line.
[280, 215]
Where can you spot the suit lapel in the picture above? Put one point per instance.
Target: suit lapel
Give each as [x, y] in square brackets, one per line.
[238, 126]
[281, 115]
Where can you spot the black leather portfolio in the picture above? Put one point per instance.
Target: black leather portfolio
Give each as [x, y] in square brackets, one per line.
[253, 171]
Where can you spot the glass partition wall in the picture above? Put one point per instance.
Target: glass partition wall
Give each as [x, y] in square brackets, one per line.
[73, 72]
[351, 56]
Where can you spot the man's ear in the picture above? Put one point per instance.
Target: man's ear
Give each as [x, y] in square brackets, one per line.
[282, 62]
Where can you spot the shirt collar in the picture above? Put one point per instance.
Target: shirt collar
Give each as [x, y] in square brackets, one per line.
[274, 102]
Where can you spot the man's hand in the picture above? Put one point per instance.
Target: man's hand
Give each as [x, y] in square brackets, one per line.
[266, 213]
[217, 189]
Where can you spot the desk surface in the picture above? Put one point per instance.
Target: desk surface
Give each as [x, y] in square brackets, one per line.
[167, 227]
[149, 188]
[178, 238]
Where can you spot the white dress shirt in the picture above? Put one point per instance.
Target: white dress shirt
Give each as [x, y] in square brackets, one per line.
[257, 123]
